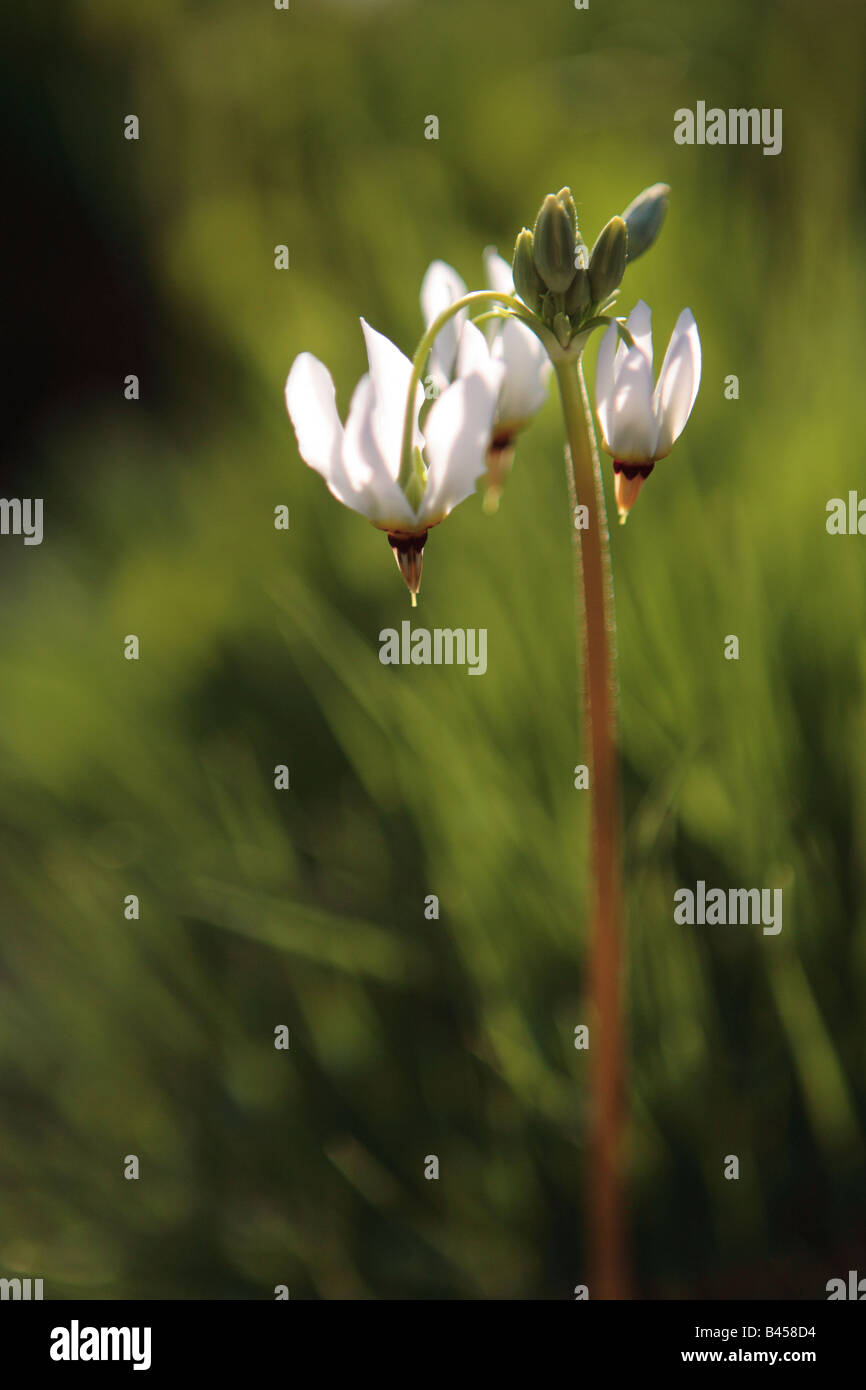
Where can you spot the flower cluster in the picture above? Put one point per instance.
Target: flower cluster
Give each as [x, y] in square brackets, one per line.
[406, 456]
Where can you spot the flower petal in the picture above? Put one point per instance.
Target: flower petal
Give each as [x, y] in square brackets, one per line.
[678, 382]
[439, 288]
[605, 381]
[473, 354]
[632, 429]
[372, 490]
[527, 368]
[390, 371]
[312, 406]
[497, 272]
[457, 433]
[639, 325]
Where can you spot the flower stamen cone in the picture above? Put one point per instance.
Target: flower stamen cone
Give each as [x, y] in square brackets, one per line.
[409, 554]
[500, 457]
[628, 479]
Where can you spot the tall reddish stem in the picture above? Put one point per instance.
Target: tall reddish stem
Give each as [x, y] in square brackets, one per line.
[608, 1267]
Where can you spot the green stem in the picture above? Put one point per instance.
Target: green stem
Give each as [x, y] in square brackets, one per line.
[606, 1204]
[519, 310]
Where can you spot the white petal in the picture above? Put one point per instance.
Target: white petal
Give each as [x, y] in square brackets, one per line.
[632, 429]
[527, 368]
[497, 272]
[440, 287]
[390, 371]
[605, 381]
[473, 354]
[639, 325]
[678, 382]
[457, 433]
[372, 490]
[312, 406]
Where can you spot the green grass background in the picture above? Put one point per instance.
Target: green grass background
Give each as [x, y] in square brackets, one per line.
[411, 1037]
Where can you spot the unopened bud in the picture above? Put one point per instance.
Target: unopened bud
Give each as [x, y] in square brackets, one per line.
[526, 278]
[644, 217]
[607, 261]
[562, 329]
[564, 197]
[553, 245]
[579, 297]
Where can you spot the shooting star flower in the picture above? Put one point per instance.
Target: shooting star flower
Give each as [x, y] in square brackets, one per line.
[640, 425]
[523, 357]
[360, 461]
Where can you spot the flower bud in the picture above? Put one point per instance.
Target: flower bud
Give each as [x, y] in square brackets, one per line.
[607, 261]
[562, 329]
[526, 278]
[579, 297]
[564, 197]
[644, 217]
[553, 245]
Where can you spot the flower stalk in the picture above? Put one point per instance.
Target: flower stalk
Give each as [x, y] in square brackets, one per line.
[608, 1266]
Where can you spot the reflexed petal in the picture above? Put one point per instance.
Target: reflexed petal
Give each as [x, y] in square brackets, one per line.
[605, 381]
[527, 367]
[390, 371]
[371, 488]
[457, 433]
[439, 288]
[633, 429]
[678, 382]
[639, 325]
[497, 272]
[473, 354]
[312, 406]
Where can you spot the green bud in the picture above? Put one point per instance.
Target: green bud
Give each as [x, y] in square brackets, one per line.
[562, 329]
[579, 297]
[644, 217]
[564, 197]
[553, 245]
[607, 261]
[526, 278]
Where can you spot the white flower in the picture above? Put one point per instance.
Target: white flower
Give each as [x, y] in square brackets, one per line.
[527, 365]
[361, 462]
[524, 359]
[639, 424]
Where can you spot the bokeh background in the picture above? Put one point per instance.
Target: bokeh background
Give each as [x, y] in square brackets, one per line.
[411, 1037]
